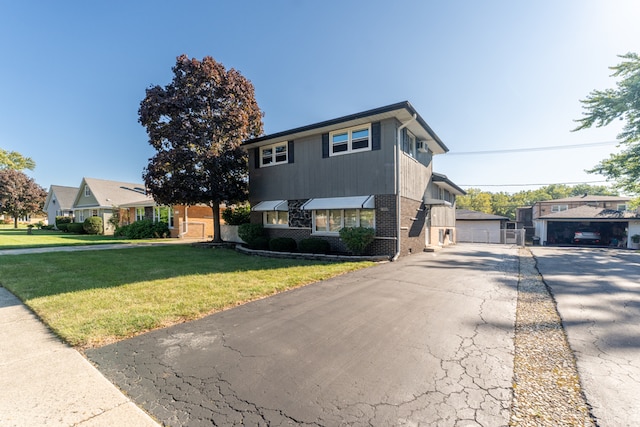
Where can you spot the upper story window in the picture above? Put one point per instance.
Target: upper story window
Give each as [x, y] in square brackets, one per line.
[622, 207]
[345, 141]
[559, 208]
[87, 191]
[274, 154]
[409, 143]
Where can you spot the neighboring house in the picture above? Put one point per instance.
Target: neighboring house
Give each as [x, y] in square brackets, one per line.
[556, 221]
[103, 198]
[480, 227]
[184, 221]
[59, 202]
[371, 169]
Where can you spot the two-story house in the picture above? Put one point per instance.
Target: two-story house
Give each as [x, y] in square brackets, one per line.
[371, 169]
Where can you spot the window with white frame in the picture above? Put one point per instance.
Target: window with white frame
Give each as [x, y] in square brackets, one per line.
[559, 208]
[87, 191]
[163, 214]
[275, 218]
[274, 154]
[80, 216]
[409, 143]
[139, 214]
[344, 141]
[622, 207]
[330, 221]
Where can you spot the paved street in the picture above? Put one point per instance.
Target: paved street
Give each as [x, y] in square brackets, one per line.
[598, 297]
[424, 341]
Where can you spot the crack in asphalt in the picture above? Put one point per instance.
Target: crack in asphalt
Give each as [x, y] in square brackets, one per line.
[205, 377]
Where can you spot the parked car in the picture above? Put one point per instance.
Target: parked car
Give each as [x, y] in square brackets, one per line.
[587, 236]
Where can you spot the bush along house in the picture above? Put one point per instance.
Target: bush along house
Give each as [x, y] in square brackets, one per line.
[371, 169]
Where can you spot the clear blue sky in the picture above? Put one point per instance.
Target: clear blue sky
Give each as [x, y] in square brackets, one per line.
[485, 75]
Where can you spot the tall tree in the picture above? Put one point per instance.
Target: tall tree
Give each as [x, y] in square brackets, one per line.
[16, 161]
[196, 124]
[602, 107]
[20, 195]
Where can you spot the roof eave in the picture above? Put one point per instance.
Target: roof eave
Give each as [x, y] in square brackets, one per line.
[394, 110]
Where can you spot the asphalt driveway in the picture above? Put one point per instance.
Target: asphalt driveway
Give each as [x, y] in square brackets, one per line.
[598, 297]
[427, 340]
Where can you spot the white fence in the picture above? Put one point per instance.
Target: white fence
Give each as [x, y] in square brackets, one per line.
[484, 235]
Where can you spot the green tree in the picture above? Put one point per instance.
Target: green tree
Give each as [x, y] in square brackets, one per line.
[196, 124]
[475, 200]
[502, 204]
[601, 107]
[16, 161]
[19, 195]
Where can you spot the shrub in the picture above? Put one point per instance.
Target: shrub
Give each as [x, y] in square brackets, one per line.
[357, 238]
[48, 227]
[75, 227]
[260, 242]
[93, 225]
[121, 231]
[237, 216]
[143, 229]
[314, 245]
[63, 220]
[250, 232]
[63, 227]
[282, 244]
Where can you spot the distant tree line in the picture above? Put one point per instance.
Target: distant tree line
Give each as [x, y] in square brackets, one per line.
[505, 204]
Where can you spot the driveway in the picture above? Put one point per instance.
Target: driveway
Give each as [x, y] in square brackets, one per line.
[427, 340]
[598, 297]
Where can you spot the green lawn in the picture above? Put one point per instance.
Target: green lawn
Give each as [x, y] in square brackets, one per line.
[12, 238]
[91, 298]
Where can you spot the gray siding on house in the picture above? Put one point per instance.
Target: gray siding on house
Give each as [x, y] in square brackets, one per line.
[415, 178]
[311, 175]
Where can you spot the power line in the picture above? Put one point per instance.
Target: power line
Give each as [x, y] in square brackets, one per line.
[528, 185]
[524, 150]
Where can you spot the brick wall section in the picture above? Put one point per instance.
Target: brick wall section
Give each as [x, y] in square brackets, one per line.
[412, 224]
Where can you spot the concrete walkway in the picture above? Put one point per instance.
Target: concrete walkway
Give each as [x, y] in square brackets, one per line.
[44, 382]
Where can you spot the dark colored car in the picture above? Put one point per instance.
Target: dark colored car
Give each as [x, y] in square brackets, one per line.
[587, 236]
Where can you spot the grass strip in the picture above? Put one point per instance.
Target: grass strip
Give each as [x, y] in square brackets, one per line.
[91, 298]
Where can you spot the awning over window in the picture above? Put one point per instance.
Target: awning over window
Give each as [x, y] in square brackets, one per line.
[271, 205]
[356, 202]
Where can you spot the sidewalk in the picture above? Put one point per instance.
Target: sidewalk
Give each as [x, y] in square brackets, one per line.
[44, 382]
[97, 247]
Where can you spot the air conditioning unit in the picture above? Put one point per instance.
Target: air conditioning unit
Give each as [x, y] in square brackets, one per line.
[422, 146]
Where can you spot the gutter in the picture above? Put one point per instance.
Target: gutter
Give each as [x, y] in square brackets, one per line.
[398, 186]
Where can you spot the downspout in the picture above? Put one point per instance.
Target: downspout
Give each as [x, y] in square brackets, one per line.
[185, 222]
[398, 175]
